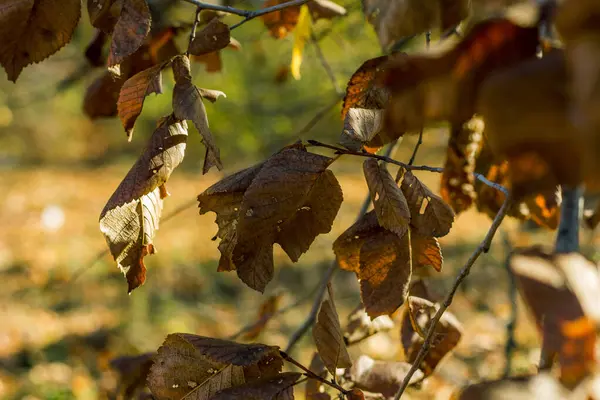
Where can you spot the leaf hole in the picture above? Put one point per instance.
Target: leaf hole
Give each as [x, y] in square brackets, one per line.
[424, 205]
[376, 197]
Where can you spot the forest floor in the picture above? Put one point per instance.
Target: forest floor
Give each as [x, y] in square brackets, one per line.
[57, 335]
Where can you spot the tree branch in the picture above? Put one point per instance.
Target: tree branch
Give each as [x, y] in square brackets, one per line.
[278, 7]
[325, 64]
[464, 272]
[311, 374]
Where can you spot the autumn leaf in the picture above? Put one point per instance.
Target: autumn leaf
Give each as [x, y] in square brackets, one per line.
[130, 31]
[447, 333]
[213, 37]
[281, 22]
[199, 367]
[389, 202]
[360, 326]
[32, 30]
[93, 51]
[426, 254]
[280, 387]
[360, 127]
[101, 96]
[362, 90]
[396, 19]
[133, 372]
[134, 92]
[383, 377]
[457, 188]
[327, 334]
[187, 104]
[130, 218]
[301, 35]
[103, 14]
[430, 215]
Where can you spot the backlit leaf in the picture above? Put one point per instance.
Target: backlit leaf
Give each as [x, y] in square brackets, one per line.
[329, 340]
[383, 377]
[301, 35]
[281, 22]
[32, 30]
[426, 253]
[362, 91]
[130, 218]
[360, 326]
[130, 31]
[104, 14]
[360, 126]
[213, 37]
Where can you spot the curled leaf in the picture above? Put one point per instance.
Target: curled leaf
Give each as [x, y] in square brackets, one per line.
[215, 36]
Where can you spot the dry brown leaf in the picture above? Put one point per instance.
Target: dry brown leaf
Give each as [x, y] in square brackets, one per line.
[280, 387]
[426, 254]
[187, 104]
[389, 202]
[457, 187]
[32, 30]
[430, 215]
[101, 96]
[289, 199]
[133, 372]
[327, 334]
[396, 19]
[130, 218]
[360, 326]
[282, 22]
[447, 333]
[383, 377]
[211, 94]
[361, 125]
[130, 30]
[215, 36]
[314, 388]
[104, 14]
[267, 310]
[134, 92]
[93, 51]
[347, 246]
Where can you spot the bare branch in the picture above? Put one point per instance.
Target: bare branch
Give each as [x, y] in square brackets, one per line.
[218, 7]
[464, 272]
[416, 150]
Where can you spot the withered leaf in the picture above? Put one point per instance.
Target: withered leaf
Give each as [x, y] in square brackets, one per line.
[133, 372]
[426, 254]
[362, 90]
[327, 334]
[280, 387]
[396, 19]
[384, 273]
[383, 377]
[360, 326]
[134, 92]
[215, 36]
[101, 96]
[211, 94]
[180, 368]
[447, 333]
[313, 386]
[32, 30]
[347, 246]
[389, 202]
[104, 14]
[281, 22]
[130, 218]
[430, 215]
[187, 104]
[93, 51]
[457, 187]
[360, 126]
[130, 30]
[563, 293]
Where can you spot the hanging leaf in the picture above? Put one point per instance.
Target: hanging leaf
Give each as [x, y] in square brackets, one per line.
[314, 388]
[280, 387]
[360, 126]
[130, 30]
[104, 14]
[389, 202]
[426, 254]
[32, 30]
[383, 377]
[289, 199]
[267, 310]
[134, 92]
[360, 326]
[187, 104]
[301, 35]
[327, 334]
[281, 22]
[430, 215]
[215, 36]
[93, 51]
[447, 333]
[133, 372]
[130, 218]
[396, 19]
[457, 188]
[101, 96]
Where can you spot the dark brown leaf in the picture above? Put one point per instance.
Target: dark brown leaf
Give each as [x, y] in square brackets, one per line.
[134, 92]
[93, 51]
[133, 372]
[280, 387]
[130, 218]
[396, 19]
[361, 326]
[329, 340]
[313, 387]
[389, 202]
[101, 96]
[457, 187]
[32, 30]
[362, 91]
[215, 36]
[130, 31]
[187, 104]
[383, 377]
[104, 14]
[426, 254]
[347, 246]
[446, 336]
[430, 215]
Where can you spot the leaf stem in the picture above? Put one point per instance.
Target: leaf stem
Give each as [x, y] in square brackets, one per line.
[193, 31]
[464, 272]
[311, 374]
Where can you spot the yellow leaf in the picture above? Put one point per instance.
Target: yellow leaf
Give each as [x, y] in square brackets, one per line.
[301, 33]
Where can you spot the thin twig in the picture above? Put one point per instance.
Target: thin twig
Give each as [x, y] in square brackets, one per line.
[312, 316]
[311, 374]
[325, 64]
[419, 143]
[258, 13]
[464, 272]
[193, 31]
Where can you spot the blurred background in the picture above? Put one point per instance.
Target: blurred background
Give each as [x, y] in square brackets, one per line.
[58, 168]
